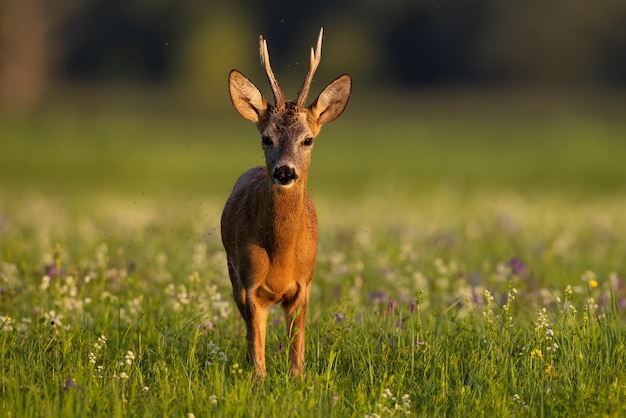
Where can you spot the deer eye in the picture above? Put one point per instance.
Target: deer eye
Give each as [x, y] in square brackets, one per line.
[308, 142]
[266, 140]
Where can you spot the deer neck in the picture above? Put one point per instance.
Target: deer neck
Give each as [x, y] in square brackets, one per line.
[285, 210]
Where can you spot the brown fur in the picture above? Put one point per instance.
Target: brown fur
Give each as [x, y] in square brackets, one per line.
[269, 232]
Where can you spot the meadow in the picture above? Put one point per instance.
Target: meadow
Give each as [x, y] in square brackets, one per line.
[471, 261]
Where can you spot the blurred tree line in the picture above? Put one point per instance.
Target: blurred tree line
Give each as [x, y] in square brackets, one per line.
[393, 43]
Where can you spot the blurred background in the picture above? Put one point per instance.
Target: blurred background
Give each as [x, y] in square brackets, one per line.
[396, 43]
[132, 96]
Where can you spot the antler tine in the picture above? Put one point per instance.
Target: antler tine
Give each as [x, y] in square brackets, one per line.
[316, 57]
[279, 98]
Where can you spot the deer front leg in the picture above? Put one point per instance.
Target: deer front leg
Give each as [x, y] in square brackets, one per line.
[256, 325]
[295, 317]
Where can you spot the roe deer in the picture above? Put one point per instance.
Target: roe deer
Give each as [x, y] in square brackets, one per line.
[269, 223]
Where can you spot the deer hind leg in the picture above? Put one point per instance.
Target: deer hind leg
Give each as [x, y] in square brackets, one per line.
[256, 325]
[295, 317]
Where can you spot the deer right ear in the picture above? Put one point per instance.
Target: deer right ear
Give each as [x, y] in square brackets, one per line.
[246, 97]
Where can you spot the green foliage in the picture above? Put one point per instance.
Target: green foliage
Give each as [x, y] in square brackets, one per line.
[443, 287]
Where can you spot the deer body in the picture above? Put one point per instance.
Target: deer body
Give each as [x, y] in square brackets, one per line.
[269, 223]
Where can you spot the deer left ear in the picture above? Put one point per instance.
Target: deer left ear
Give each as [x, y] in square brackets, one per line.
[332, 100]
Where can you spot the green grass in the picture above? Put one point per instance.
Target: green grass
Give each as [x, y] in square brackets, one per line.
[471, 263]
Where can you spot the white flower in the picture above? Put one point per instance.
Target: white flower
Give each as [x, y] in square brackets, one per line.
[45, 283]
[129, 357]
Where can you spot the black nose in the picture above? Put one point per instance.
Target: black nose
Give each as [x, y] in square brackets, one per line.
[285, 174]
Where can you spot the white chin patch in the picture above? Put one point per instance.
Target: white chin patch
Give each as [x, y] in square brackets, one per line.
[285, 186]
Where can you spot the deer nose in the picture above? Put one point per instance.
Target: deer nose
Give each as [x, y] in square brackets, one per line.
[285, 175]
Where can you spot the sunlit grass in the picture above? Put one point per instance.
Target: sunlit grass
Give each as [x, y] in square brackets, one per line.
[467, 273]
[131, 315]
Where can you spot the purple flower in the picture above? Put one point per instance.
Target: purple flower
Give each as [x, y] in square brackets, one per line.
[412, 307]
[53, 270]
[69, 384]
[339, 317]
[378, 296]
[518, 267]
[391, 306]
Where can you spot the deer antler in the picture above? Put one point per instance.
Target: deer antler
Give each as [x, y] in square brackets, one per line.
[316, 57]
[279, 98]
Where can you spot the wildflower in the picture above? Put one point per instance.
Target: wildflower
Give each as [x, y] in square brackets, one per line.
[215, 354]
[69, 384]
[518, 400]
[518, 267]
[236, 369]
[536, 352]
[391, 306]
[592, 304]
[550, 372]
[5, 323]
[378, 297]
[213, 399]
[488, 313]
[589, 277]
[386, 394]
[339, 317]
[124, 376]
[129, 357]
[593, 283]
[207, 325]
[145, 388]
[45, 283]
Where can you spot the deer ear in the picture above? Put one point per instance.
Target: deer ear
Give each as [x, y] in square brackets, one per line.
[246, 97]
[332, 100]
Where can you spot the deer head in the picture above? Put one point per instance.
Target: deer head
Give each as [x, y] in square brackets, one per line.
[288, 128]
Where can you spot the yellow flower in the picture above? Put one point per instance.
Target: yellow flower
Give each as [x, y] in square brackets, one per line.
[593, 283]
[550, 371]
[536, 352]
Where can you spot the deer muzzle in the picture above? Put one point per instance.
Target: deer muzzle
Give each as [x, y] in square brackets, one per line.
[285, 176]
